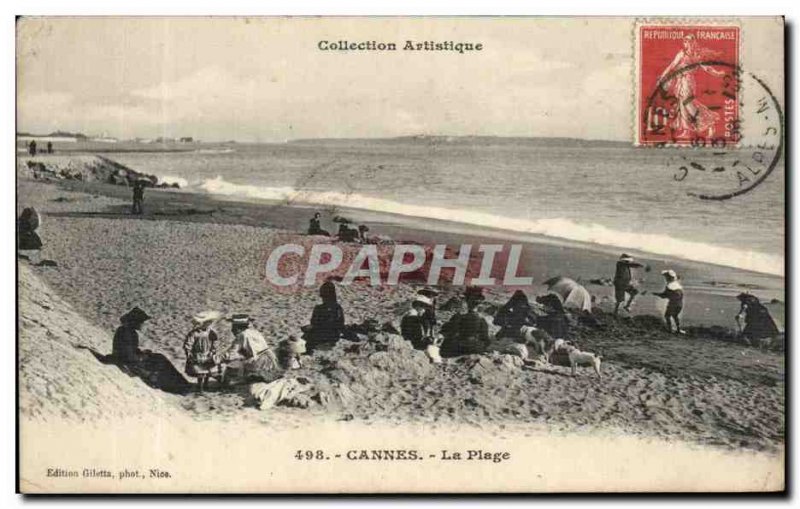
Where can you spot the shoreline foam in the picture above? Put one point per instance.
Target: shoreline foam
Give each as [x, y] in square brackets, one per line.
[558, 228]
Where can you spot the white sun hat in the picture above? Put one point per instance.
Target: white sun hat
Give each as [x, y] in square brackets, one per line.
[671, 273]
[207, 316]
[423, 299]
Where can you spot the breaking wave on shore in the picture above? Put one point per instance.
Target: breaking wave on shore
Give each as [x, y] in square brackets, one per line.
[562, 228]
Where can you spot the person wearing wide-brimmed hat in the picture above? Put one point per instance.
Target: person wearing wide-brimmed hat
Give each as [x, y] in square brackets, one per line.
[466, 333]
[673, 292]
[429, 314]
[414, 326]
[125, 346]
[624, 282]
[200, 347]
[249, 354]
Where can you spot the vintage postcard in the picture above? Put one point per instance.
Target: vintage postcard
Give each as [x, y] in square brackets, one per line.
[400, 254]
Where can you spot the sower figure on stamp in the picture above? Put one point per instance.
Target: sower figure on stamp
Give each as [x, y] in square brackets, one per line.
[693, 117]
[624, 283]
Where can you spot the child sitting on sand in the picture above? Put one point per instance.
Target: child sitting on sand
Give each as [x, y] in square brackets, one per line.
[200, 347]
[674, 295]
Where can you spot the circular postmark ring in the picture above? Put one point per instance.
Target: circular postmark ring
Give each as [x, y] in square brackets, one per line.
[767, 101]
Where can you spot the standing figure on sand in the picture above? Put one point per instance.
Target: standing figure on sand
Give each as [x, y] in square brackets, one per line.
[138, 197]
[673, 292]
[624, 282]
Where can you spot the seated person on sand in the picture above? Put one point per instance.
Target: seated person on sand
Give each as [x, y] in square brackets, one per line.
[125, 346]
[315, 227]
[466, 333]
[200, 347]
[249, 355]
[555, 322]
[415, 325]
[673, 292]
[347, 234]
[327, 319]
[429, 314]
[27, 224]
[624, 282]
[758, 323]
[513, 315]
[154, 368]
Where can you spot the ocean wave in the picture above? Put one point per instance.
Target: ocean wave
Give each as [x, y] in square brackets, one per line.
[171, 179]
[556, 227]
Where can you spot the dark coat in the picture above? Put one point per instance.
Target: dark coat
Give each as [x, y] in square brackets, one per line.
[464, 334]
[125, 347]
[327, 323]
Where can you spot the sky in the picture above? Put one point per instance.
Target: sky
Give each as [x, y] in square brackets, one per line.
[265, 80]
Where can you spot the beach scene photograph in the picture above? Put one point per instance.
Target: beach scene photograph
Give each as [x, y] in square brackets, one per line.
[399, 255]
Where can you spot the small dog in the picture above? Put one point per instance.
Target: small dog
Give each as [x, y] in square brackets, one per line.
[577, 357]
[534, 338]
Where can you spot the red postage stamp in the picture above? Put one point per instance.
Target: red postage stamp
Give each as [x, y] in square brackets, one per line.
[687, 85]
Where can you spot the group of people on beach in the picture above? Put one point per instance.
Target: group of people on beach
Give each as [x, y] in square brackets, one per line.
[345, 233]
[625, 290]
[33, 149]
[249, 356]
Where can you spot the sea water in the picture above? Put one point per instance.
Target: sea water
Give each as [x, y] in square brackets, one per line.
[607, 194]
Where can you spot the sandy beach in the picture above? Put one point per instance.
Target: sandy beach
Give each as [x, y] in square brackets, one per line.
[191, 252]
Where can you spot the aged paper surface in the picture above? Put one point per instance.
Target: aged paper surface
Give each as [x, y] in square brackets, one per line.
[400, 255]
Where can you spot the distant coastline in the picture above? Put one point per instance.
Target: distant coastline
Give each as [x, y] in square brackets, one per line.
[475, 140]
